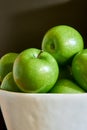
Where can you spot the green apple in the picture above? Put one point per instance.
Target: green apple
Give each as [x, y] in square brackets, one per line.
[9, 84]
[79, 68]
[35, 70]
[62, 42]
[66, 86]
[6, 64]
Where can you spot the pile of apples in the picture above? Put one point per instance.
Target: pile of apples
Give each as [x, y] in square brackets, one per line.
[58, 67]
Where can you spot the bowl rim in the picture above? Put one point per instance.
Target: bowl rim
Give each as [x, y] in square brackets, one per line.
[24, 93]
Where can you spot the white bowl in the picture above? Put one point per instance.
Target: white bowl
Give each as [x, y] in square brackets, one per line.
[24, 111]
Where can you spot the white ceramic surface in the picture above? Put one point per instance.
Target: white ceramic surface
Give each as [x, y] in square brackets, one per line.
[44, 111]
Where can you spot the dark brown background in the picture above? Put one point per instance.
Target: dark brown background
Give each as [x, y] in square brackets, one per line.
[22, 27]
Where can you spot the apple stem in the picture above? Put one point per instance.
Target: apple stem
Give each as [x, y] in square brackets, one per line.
[39, 53]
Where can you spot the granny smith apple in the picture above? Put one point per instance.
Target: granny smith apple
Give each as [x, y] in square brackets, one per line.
[66, 86]
[35, 70]
[79, 68]
[9, 84]
[62, 42]
[6, 64]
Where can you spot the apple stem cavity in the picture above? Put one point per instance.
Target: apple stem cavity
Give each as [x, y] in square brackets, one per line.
[52, 46]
